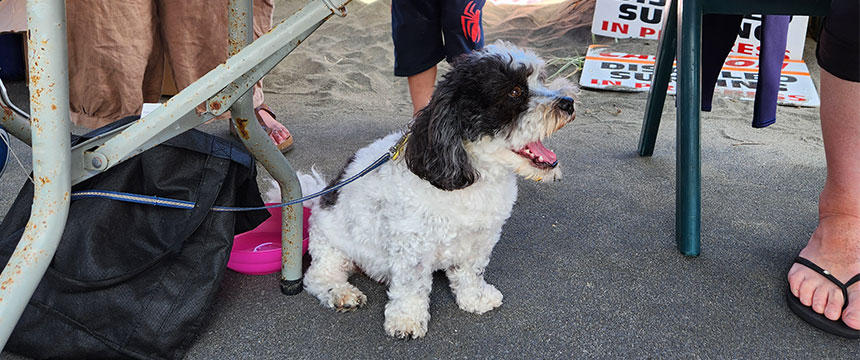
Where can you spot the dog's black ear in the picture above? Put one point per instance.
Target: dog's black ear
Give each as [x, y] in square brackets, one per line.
[435, 149]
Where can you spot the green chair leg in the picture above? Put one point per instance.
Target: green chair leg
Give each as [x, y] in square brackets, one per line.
[684, 27]
[688, 168]
[660, 82]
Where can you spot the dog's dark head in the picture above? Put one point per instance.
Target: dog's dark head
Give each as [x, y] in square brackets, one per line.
[491, 107]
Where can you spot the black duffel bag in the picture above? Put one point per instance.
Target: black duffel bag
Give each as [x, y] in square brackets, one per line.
[131, 280]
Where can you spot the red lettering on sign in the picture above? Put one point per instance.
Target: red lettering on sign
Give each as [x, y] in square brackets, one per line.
[746, 49]
[634, 56]
[615, 27]
[646, 31]
[740, 63]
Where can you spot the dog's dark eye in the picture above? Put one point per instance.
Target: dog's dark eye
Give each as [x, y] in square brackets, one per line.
[516, 92]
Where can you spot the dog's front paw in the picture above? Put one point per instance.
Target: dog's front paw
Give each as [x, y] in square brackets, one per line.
[406, 327]
[346, 298]
[479, 300]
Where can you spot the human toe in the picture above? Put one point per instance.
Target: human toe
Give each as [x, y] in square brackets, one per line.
[278, 136]
[851, 315]
[851, 318]
[819, 300]
[806, 291]
[834, 304]
[796, 276]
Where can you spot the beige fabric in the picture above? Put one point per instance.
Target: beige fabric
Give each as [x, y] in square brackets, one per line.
[13, 15]
[116, 51]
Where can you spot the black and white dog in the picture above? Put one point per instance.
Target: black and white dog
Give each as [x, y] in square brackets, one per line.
[443, 203]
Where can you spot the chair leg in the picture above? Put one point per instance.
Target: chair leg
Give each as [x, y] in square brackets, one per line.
[49, 85]
[261, 147]
[687, 166]
[660, 82]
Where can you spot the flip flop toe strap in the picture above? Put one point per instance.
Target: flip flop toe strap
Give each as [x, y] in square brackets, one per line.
[853, 280]
[842, 286]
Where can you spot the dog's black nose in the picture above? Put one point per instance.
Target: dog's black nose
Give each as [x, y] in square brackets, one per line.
[566, 104]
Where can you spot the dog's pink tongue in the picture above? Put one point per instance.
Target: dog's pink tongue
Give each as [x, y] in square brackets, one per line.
[537, 148]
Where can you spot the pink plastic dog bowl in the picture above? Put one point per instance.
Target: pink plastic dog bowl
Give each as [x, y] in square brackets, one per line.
[258, 252]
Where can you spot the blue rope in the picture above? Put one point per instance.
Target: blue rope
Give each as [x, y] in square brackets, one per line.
[133, 198]
[184, 204]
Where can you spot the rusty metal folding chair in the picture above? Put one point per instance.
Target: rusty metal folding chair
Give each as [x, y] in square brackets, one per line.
[57, 165]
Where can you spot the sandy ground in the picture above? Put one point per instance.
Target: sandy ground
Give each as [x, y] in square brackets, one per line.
[587, 265]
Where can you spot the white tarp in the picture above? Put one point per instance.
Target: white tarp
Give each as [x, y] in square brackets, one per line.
[609, 70]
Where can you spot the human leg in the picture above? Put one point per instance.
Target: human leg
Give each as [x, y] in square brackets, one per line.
[110, 51]
[194, 35]
[263, 10]
[417, 36]
[421, 88]
[462, 32]
[195, 38]
[835, 244]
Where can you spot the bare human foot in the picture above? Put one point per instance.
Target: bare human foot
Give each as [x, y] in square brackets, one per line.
[834, 246]
[277, 131]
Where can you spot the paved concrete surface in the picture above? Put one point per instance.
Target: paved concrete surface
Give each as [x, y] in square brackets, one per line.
[587, 265]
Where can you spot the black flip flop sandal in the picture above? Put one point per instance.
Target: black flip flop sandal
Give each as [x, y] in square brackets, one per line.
[818, 320]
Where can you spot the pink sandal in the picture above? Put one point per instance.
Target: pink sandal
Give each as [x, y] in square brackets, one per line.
[283, 146]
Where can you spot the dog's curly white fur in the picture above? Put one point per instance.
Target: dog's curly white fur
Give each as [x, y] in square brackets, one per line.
[443, 203]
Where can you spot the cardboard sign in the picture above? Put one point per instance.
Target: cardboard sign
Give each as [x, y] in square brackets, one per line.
[524, 2]
[749, 37]
[608, 70]
[643, 19]
[623, 19]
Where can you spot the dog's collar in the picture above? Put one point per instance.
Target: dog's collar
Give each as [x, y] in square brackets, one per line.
[395, 151]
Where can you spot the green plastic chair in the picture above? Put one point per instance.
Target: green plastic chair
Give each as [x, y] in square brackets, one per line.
[686, 20]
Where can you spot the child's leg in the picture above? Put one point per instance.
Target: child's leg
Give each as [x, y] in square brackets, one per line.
[421, 88]
[417, 36]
